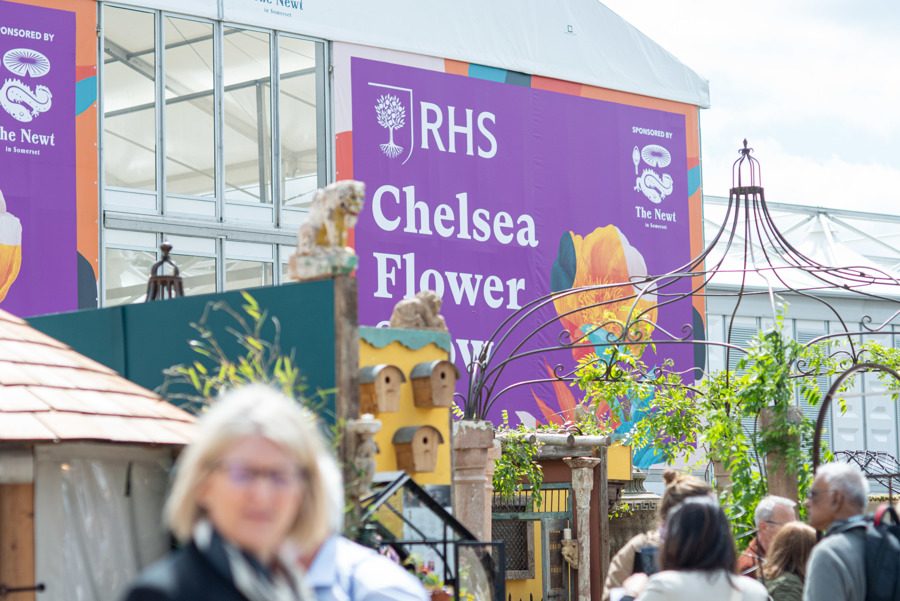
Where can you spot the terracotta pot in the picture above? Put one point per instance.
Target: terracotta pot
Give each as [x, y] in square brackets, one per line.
[440, 595]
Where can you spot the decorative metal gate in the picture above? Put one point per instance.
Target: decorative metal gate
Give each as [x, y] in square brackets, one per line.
[514, 518]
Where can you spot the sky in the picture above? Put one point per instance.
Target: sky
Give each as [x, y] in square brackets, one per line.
[814, 85]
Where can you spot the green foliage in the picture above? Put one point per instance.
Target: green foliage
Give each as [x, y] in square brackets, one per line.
[708, 416]
[620, 379]
[518, 466]
[887, 356]
[518, 463]
[258, 360]
[457, 411]
[620, 510]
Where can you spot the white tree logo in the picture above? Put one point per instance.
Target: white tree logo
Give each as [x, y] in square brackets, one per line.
[391, 115]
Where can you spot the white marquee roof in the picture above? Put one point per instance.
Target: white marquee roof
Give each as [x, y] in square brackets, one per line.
[575, 40]
[837, 238]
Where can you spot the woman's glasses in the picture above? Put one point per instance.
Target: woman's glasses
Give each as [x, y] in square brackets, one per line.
[244, 476]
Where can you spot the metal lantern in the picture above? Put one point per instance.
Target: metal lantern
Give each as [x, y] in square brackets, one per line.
[161, 286]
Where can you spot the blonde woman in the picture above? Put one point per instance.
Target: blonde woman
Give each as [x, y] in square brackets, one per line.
[785, 568]
[250, 482]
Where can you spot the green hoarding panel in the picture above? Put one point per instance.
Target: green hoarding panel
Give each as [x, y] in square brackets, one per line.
[139, 341]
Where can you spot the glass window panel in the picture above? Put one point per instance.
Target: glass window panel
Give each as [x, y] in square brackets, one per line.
[247, 274]
[848, 426]
[714, 333]
[248, 128]
[126, 275]
[197, 273]
[190, 123]
[129, 93]
[284, 257]
[297, 114]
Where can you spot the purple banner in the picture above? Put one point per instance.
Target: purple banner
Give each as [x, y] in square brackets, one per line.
[494, 194]
[38, 254]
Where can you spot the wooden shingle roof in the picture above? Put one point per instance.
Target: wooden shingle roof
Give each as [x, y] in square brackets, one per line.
[48, 392]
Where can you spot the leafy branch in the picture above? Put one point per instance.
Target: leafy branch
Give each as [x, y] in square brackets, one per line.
[259, 359]
[518, 463]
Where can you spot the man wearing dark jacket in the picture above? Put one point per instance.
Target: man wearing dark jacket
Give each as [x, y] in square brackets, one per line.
[837, 566]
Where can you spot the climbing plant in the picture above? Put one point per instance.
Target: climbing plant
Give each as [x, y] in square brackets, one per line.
[518, 464]
[709, 416]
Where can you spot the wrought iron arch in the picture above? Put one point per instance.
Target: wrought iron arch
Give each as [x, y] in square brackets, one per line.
[622, 315]
[823, 414]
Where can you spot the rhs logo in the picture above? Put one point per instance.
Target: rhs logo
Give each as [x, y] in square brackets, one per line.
[430, 126]
[394, 112]
[391, 115]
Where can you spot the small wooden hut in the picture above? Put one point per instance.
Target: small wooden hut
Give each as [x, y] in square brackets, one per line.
[84, 462]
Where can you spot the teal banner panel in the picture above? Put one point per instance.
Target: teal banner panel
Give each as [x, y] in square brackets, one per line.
[140, 341]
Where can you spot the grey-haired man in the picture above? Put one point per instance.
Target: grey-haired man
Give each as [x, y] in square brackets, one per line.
[837, 568]
[771, 514]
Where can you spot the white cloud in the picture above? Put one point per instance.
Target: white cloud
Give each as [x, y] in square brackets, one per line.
[832, 182]
[812, 85]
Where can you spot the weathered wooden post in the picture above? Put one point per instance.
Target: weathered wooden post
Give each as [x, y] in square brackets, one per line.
[582, 486]
[346, 361]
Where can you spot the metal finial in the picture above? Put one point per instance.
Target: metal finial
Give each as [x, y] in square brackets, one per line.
[746, 163]
[161, 286]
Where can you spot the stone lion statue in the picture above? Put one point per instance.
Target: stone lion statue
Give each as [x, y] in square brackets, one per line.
[423, 312]
[322, 241]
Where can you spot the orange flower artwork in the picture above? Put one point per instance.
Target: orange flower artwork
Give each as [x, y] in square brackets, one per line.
[591, 317]
[602, 257]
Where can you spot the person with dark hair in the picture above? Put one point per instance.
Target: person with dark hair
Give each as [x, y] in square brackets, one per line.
[697, 558]
[639, 554]
[785, 568]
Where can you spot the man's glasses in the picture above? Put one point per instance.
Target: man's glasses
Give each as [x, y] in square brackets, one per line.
[243, 476]
[813, 493]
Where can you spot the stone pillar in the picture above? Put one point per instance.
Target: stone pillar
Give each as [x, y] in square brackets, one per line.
[782, 482]
[363, 430]
[472, 490]
[493, 455]
[603, 501]
[582, 485]
[359, 470]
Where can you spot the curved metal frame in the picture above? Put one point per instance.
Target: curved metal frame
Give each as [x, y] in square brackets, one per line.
[826, 402]
[767, 256]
